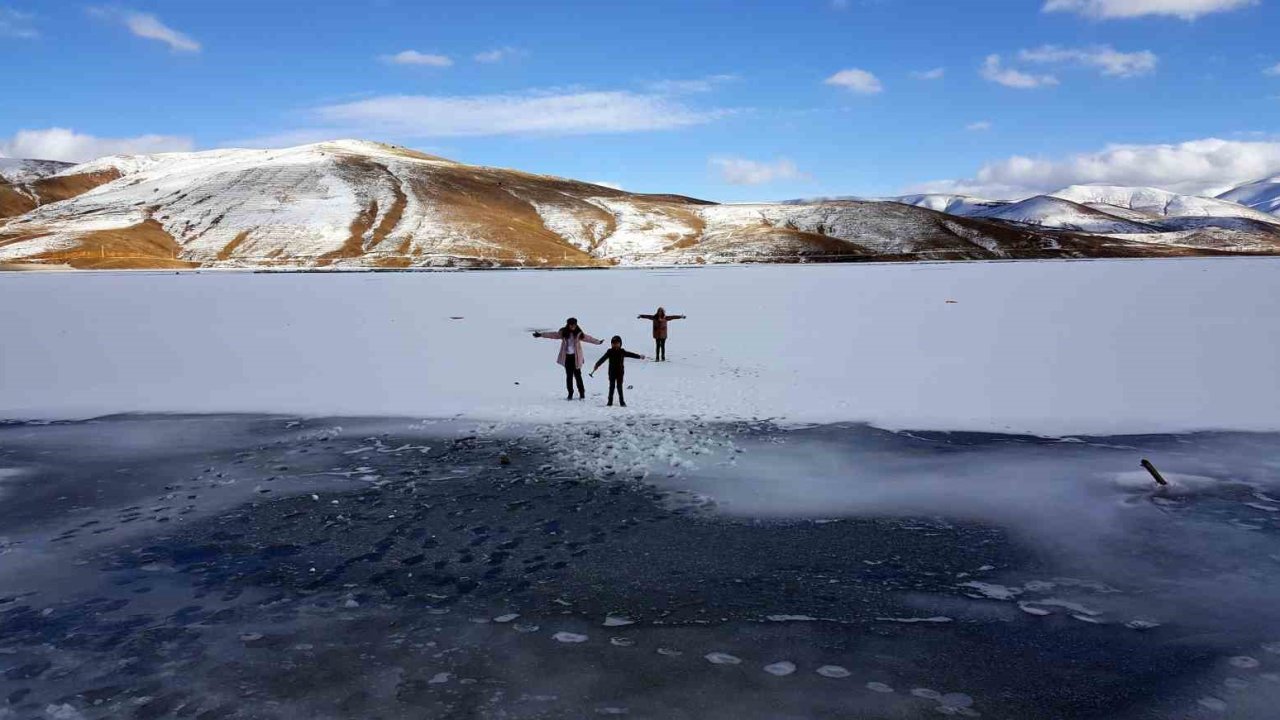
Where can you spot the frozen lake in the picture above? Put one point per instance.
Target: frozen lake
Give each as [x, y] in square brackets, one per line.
[277, 567]
[1040, 347]
[884, 491]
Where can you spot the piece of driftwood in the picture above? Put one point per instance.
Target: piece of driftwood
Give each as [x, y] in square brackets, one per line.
[1154, 472]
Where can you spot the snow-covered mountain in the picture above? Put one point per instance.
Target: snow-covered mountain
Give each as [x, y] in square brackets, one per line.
[1262, 195]
[1156, 203]
[354, 203]
[27, 184]
[962, 205]
[16, 171]
[1055, 212]
[1135, 214]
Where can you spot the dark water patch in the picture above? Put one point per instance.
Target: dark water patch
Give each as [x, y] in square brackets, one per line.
[387, 580]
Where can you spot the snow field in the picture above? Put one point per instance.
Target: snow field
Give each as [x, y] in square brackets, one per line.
[1050, 348]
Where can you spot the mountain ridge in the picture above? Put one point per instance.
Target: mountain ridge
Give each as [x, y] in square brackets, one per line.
[356, 203]
[1262, 195]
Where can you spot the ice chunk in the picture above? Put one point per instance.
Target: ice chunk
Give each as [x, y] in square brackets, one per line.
[62, 712]
[719, 658]
[1213, 703]
[926, 693]
[1076, 608]
[879, 687]
[1031, 609]
[993, 591]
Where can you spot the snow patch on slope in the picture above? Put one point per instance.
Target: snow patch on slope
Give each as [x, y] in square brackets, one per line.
[17, 171]
[962, 205]
[566, 220]
[642, 230]
[1261, 195]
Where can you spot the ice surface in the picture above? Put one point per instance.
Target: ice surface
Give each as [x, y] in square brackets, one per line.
[856, 573]
[1050, 347]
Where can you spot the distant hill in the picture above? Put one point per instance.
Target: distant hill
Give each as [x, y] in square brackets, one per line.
[1262, 195]
[353, 203]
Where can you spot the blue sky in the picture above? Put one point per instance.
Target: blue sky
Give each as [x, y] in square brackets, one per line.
[717, 99]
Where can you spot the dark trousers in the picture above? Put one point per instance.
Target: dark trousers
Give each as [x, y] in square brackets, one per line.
[615, 381]
[659, 348]
[572, 373]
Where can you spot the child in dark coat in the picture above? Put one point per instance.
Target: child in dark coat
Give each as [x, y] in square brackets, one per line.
[616, 357]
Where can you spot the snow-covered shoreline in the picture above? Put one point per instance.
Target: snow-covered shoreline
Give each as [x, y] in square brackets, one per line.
[1048, 348]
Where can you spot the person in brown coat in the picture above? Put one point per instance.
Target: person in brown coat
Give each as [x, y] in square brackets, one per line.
[571, 338]
[660, 320]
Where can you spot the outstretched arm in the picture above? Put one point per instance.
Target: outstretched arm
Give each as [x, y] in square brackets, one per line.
[547, 336]
[644, 317]
[593, 341]
[677, 317]
[600, 362]
[632, 355]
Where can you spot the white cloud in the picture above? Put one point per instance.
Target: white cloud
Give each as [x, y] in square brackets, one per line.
[978, 126]
[1274, 70]
[1109, 60]
[695, 85]
[578, 113]
[1108, 9]
[17, 24]
[70, 146]
[741, 171]
[1198, 167]
[934, 74]
[145, 25]
[859, 81]
[413, 57]
[996, 72]
[498, 55]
